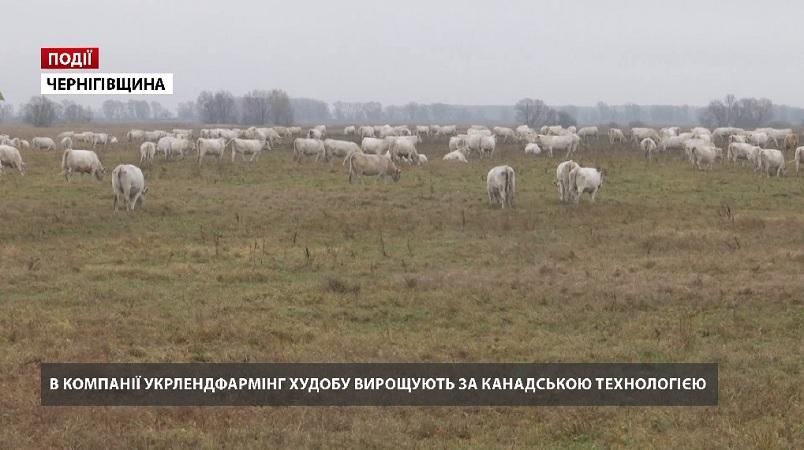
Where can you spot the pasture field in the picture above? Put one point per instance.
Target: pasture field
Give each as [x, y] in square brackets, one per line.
[285, 262]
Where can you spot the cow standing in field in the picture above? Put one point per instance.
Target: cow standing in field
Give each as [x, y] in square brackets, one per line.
[128, 185]
[563, 181]
[214, 147]
[81, 161]
[10, 157]
[360, 164]
[585, 180]
[147, 151]
[799, 158]
[245, 147]
[772, 161]
[648, 148]
[501, 186]
[43, 143]
[339, 149]
[308, 148]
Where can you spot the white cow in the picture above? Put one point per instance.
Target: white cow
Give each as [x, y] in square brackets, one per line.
[448, 130]
[506, 134]
[487, 146]
[501, 186]
[243, 147]
[10, 157]
[81, 161]
[313, 133]
[147, 151]
[584, 180]
[457, 155]
[139, 135]
[422, 130]
[365, 132]
[588, 134]
[771, 160]
[533, 149]
[404, 150]
[305, 148]
[567, 142]
[43, 143]
[350, 131]
[338, 148]
[375, 146]
[422, 158]
[616, 136]
[372, 165]
[760, 139]
[648, 148]
[562, 179]
[103, 139]
[799, 158]
[128, 185]
[705, 155]
[456, 142]
[215, 147]
[743, 152]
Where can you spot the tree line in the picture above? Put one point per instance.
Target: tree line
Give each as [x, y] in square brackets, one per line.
[276, 107]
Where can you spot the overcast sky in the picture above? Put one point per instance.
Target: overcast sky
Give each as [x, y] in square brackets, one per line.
[461, 52]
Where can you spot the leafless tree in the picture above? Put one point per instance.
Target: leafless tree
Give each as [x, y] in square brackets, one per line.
[40, 112]
[534, 112]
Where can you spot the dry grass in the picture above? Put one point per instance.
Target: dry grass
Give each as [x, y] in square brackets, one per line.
[283, 262]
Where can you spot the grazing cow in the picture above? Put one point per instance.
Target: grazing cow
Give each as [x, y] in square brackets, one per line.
[506, 134]
[487, 146]
[435, 130]
[648, 148]
[404, 149]
[673, 142]
[295, 131]
[139, 135]
[43, 143]
[147, 152]
[81, 161]
[365, 132]
[375, 146]
[588, 134]
[616, 136]
[10, 157]
[501, 186]
[448, 130]
[533, 149]
[128, 185]
[339, 149]
[350, 131]
[562, 179]
[478, 132]
[215, 147]
[585, 180]
[314, 133]
[743, 152]
[771, 160]
[422, 158]
[457, 155]
[705, 155]
[422, 130]
[759, 139]
[790, 142]
[305, 148]
[567, 142]
[799, 159]
[638, 134]
[243, 147]
[101, 138]
[372, 165]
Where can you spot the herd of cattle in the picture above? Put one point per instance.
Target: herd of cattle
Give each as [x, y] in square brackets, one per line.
[382, 148]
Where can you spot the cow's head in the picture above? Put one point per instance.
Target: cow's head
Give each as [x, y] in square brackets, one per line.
[100, 173]
[396, 174]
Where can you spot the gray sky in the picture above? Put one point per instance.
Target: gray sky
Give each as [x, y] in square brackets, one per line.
[462, 52]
